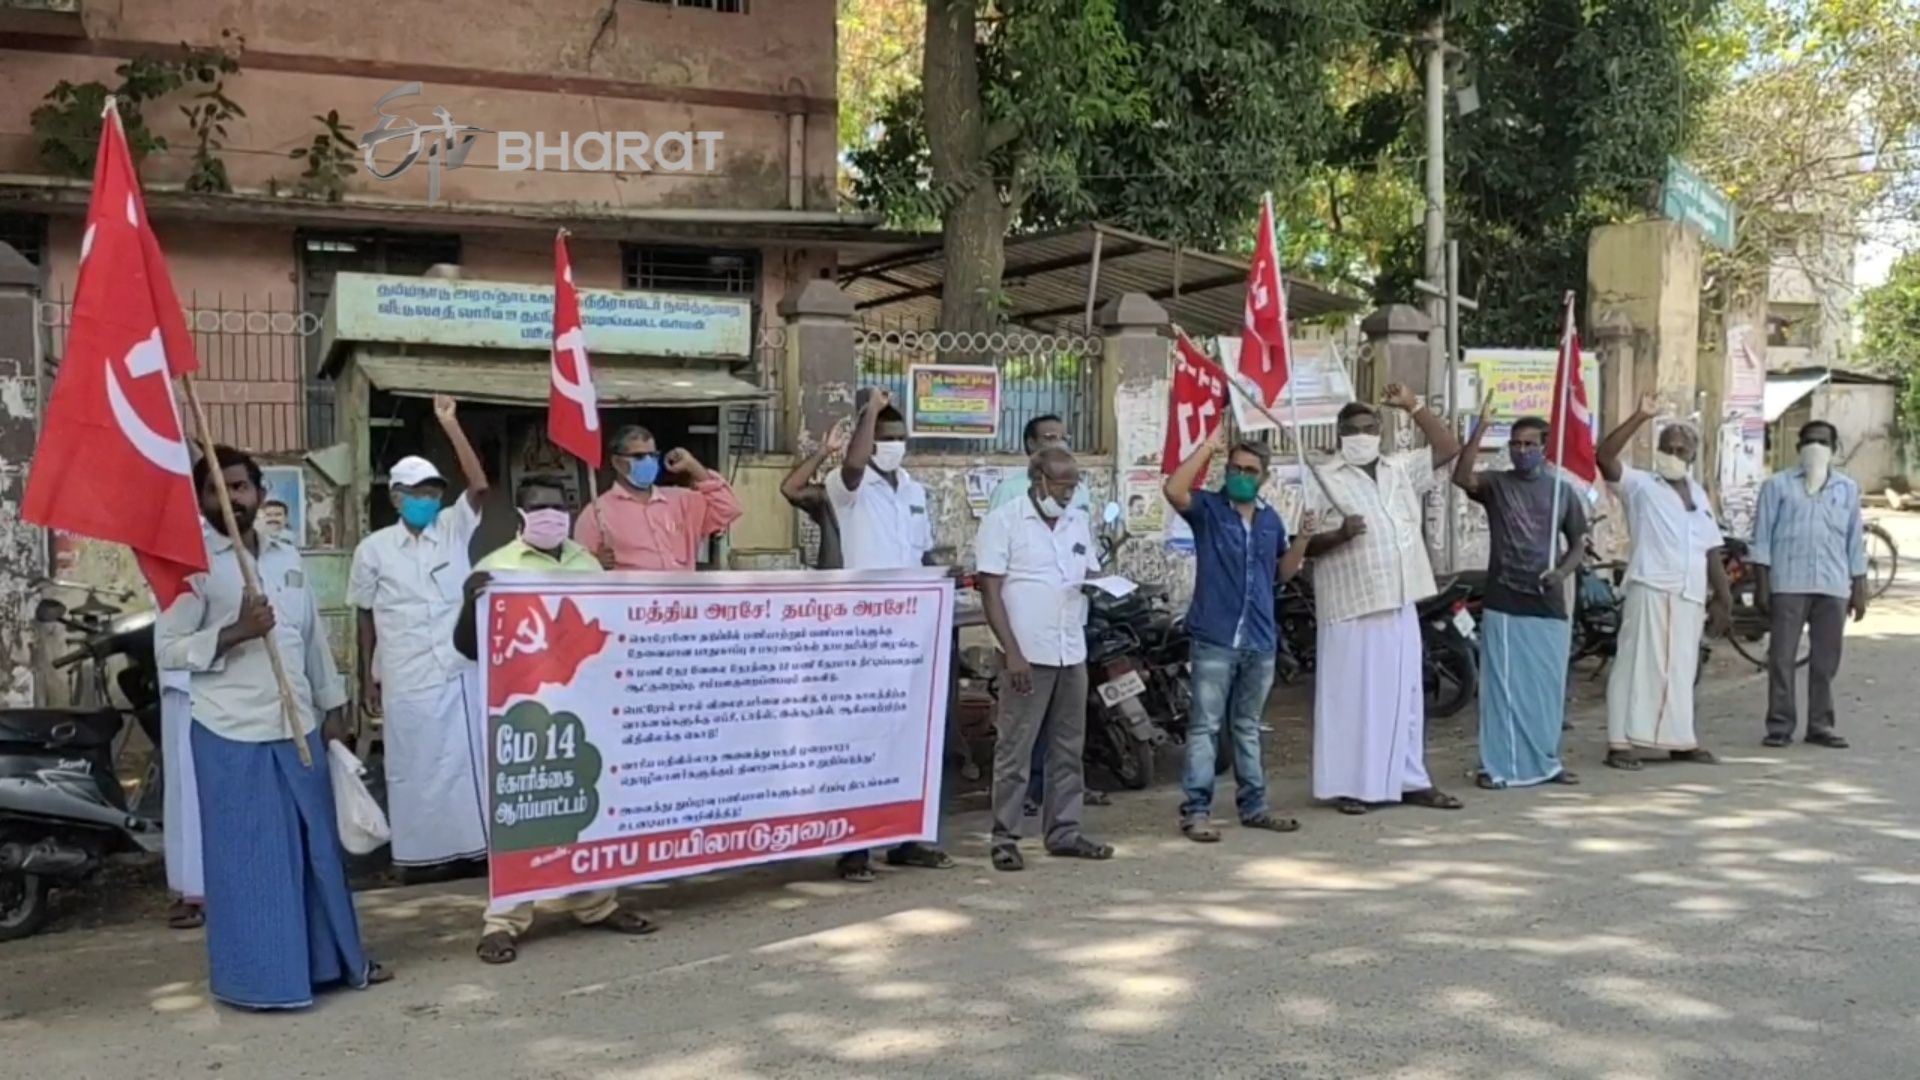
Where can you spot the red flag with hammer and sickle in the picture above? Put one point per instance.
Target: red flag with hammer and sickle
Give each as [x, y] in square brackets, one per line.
[1196, 405]
[529, 650]
[112, 459]
[573, 409]
[1266, 353]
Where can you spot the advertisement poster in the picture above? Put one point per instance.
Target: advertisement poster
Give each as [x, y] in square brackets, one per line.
[283, 502]
[645, 727]
[1146, 506]
[1317, 387]
[953, 402]
[1742, 452]
[1521, 382]
[981, 484]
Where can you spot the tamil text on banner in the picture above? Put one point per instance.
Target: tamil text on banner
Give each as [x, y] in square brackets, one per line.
[1521, 382]
[953, 402]
[1317, 386]
[639, 728]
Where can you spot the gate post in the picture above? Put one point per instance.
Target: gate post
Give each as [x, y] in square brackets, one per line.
[1135, 329]
[822, 371]
[23, 547]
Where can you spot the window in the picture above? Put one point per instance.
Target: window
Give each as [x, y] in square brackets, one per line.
[708, 271]
[725, 7]
[27, 234]
[323, 255]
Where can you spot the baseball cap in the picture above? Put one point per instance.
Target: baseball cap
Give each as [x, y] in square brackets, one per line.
[412, 472]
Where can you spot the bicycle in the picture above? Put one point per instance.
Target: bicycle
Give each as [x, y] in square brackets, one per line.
[1883, 560]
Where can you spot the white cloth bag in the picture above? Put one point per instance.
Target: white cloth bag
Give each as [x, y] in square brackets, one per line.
[363, 825]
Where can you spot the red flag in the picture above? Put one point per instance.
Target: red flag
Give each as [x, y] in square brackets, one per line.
[1266, 355]
[573, 409]
[1572, 448]
[1196, 404]
[112, 460]
[529, 650]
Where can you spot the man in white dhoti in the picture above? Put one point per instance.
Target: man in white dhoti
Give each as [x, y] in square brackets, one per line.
[1370, 569]
[1675, 585]
[180, 803]
[407, 584]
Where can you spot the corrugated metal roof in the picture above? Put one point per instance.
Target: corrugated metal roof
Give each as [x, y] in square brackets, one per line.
[526, 382]
[1048, 274]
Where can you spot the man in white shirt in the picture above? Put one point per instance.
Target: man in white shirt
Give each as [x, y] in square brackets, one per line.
[1040, 433]
[884, 525]
[1676, 583]
[1032, 557]
[280, 917]
[1370, 570]
[406, 584]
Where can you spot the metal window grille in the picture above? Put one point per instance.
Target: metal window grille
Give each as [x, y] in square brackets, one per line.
[721, 272]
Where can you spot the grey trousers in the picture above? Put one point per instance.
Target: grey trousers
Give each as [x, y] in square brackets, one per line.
[1059, 701]
[1825, 619]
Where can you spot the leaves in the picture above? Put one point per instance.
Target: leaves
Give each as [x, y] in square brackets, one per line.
[67, 126]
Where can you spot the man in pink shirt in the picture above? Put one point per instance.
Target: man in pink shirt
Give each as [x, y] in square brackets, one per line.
[650, 527]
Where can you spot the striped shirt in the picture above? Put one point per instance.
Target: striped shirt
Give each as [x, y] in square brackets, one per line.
[1385, 568]
[1810, 543]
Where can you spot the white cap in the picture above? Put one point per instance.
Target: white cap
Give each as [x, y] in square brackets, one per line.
[412, 472]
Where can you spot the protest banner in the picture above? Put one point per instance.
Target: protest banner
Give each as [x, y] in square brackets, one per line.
[639, 727]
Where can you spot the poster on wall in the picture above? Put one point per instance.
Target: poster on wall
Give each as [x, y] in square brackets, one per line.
[283, 502]
[1318, 386]
[949, 401]
[1742, 450]
[638, 728]
[1146, 504]
[1521, 382]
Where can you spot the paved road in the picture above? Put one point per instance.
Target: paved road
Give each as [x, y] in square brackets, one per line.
[1752, 921]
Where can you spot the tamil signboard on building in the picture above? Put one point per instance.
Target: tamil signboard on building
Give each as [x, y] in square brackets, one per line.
[1686, 197]
[508, 315]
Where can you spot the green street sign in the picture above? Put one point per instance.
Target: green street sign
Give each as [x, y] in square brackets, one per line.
[1689, 199]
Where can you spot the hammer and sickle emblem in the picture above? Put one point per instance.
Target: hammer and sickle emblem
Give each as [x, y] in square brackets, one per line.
[144, 360]
[580, 392]
[529, 637]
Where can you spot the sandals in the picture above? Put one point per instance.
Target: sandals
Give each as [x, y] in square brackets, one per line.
[1827, 739]
[856, 868]
[1777, 741]
[1079, 848]
[378, 973]
[1431, 799]
[1565, 776]
[1197, 830]
[186, 916]
[920, 857]
[1007, 858]
[1697, 756]
[627, 922]
[497, 947]
[1350, 807]
[1624, 760]
[1269, 823]
[1485, 782]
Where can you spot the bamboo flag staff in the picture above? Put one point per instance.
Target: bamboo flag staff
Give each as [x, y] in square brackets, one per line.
[249, 572]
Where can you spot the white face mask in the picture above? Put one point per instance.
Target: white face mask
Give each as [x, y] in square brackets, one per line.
[1360, 450]
[888, 455]
[1668, 467]
[1050, 507]
[1817, 460]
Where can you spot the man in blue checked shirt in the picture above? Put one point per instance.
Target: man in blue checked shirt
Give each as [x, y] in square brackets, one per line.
[1240, 547]
[1810, 548]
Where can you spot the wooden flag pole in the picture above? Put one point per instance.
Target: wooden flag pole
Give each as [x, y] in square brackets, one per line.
[249, 573]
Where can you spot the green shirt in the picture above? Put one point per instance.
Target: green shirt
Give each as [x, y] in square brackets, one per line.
[516, 555]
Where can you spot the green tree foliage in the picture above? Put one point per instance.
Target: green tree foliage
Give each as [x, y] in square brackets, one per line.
[1890, 331]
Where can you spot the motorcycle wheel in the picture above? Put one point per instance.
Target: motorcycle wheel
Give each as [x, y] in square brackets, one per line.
[1755, 651]
[1451, 678]
[1129, 760]
[23, 905]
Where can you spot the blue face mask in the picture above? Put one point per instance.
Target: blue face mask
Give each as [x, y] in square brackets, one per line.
[1528, 462]
[644, 470]
[418, 511]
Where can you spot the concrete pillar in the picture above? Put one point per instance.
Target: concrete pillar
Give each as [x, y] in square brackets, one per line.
[23, 547]
[1649, 271]
[1136, 351]
[822, 370]
[1614, 339]
[1395, 351]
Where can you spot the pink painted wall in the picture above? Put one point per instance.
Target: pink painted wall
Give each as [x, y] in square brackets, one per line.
[516, 52]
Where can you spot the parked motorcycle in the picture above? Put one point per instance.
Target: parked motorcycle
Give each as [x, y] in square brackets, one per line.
[1449, 656]
[1598, 587]
[63, 810]
[1752, 628]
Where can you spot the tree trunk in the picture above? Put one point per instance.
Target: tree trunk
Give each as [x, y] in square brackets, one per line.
[973, 222]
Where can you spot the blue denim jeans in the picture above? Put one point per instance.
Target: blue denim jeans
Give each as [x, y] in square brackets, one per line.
[1229, 686]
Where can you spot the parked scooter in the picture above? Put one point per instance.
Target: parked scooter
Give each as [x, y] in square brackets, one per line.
[63, 811]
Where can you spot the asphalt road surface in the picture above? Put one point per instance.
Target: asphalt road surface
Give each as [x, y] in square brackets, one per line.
[1756, 920]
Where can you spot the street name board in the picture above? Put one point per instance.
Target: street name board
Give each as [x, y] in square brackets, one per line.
[1686, 197]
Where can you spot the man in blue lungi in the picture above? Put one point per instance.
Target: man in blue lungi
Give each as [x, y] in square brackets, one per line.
[1525, 635]
[280, 918]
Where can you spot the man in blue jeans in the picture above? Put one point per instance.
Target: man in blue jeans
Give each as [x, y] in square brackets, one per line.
[1241, 550]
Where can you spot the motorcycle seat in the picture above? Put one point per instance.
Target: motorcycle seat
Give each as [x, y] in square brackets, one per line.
[58, 729]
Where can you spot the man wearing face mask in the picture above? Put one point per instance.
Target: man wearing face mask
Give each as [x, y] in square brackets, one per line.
[648, 527]
[1033, 556]
[1240, 549]
[1810, 549]
[1370, 570]
[541, 547]
[1675, 585]
[1525, 636]
[1040, 433]
[884, 525]
[405, 586]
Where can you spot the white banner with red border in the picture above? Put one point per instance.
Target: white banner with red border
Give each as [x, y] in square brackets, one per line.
[638, 727]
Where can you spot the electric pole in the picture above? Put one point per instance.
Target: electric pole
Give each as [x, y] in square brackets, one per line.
[1436, 219]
